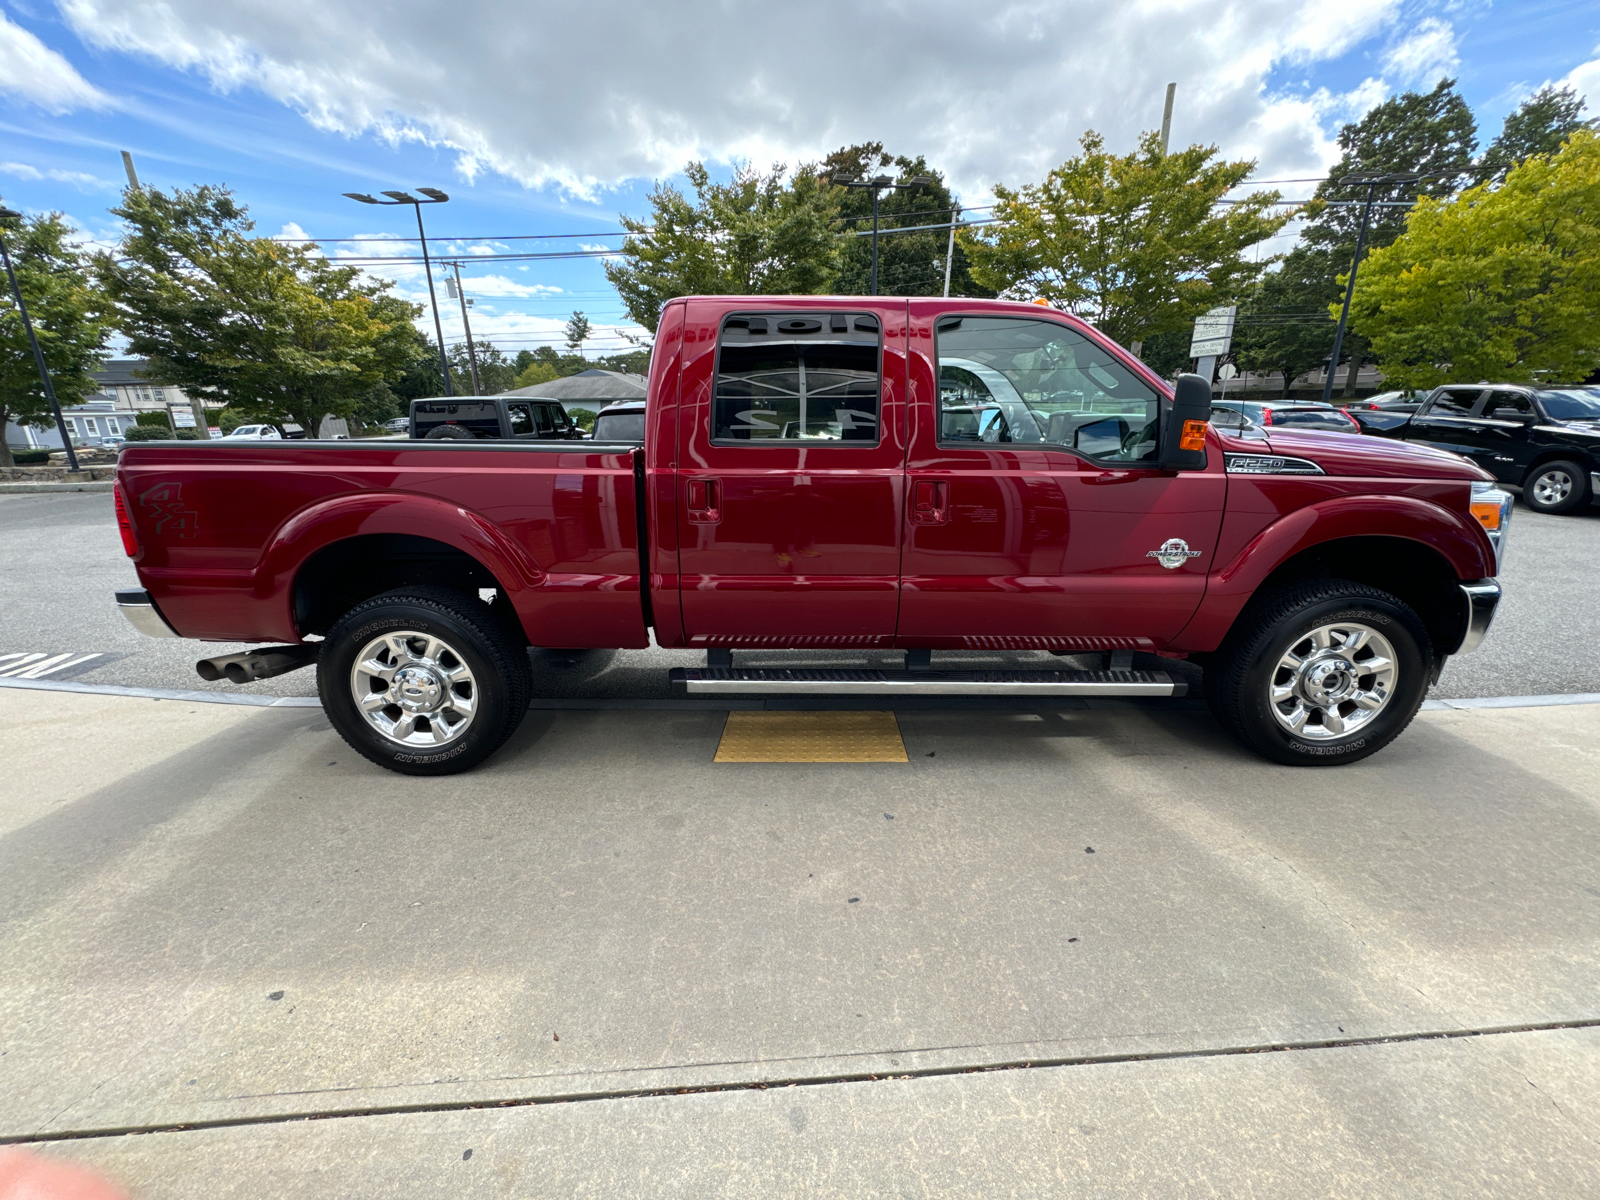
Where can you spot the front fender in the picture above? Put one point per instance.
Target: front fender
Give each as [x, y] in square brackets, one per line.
[333, 520]
[1459, 540]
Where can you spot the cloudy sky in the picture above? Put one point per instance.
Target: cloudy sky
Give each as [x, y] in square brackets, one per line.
[549, 119]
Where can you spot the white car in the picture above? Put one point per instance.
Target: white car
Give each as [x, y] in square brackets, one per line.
[253, 431]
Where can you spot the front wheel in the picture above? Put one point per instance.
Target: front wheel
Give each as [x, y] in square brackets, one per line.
[423, 680]
[1320, 673]
[1556, 487]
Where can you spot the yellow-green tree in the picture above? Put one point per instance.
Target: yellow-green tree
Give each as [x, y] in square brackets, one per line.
[275, 330]
[1136, 243]
[1500, 283]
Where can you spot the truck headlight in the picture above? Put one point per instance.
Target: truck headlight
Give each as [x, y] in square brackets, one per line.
[1492, 509]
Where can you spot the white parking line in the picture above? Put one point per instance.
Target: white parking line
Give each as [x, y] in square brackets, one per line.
[37, 665]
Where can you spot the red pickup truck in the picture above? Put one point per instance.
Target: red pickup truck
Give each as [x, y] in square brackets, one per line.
[836, 473]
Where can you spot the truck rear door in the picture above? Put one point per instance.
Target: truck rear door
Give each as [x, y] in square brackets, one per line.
[791, 472]
[1035, 517]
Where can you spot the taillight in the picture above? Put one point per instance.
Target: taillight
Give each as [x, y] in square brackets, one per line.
[130, 544]
[1266, 416]
[1353, 421]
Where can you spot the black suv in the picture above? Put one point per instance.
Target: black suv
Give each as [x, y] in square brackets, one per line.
[1545, 439]
[467, 417]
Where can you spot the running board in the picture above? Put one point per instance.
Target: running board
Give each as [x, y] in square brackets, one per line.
[722, 681]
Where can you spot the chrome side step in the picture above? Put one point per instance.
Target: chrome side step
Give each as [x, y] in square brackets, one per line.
[723, 681]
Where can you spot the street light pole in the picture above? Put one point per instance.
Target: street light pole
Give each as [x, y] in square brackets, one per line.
[435, 196]
[1373, 182]
[878, 184]
[7, 214]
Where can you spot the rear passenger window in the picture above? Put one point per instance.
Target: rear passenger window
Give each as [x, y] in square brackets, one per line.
[1508, 406]
[808, 377]
[521, 420]
[1454, 402]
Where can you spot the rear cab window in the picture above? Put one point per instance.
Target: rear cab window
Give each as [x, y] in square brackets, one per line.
[1022, 380]
[1453, 402]
[798, 378]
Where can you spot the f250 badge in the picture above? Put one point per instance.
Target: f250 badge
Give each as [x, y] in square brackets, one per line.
[1173, 554]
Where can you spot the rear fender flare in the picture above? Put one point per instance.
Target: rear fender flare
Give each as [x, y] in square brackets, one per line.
[1460, 542]
[321, 525]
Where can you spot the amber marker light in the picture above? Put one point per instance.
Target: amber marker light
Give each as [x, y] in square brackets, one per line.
[1488, 513]
[1194, 438]
[130, 543]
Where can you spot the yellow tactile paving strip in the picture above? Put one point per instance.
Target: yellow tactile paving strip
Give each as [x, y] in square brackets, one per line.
[759, 736]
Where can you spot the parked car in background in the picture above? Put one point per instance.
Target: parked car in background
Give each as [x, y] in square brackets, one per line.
[398, 424]
[1294, 414]
[1389, 402]
[464, 418]
[269, 432]
[623, 422]
[1544, 440]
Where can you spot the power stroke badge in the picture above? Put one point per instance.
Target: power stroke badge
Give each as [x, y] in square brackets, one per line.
[1173, 554]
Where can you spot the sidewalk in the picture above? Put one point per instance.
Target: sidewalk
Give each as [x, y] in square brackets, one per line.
[219, 914]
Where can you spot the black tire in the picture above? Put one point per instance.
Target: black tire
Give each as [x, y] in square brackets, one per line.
[1240, 678]
[497, 682]
[1556, 487]
[442, 433]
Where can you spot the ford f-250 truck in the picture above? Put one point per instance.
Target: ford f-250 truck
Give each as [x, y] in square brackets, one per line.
[836, 473]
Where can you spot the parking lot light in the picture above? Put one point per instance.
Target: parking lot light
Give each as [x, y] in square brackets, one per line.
[434, 196]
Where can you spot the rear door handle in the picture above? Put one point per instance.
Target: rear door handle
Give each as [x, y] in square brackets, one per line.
[930, 502]
[704, 501]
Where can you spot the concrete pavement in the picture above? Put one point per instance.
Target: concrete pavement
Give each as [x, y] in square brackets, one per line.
[215, 914]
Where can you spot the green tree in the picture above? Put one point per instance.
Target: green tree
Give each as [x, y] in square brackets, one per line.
[496, 372]
[1540, 125]
[754, 235]
[577, 332]
[537, 372]
[1135, 243]
[1284, 326]
[629, 362]
[69, 317]
[1501, 283]
[274, 329]
[909, 264]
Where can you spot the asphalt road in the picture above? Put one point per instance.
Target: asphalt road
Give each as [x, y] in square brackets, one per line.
[63, 559]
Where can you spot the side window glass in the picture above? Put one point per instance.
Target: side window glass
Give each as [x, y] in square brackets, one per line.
[1018, 380]
[797, 377]
[1508, 406]
[1453, 402]
[521, 419]
[541, 416]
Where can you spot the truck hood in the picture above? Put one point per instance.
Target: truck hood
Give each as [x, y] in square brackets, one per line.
[1362, 455]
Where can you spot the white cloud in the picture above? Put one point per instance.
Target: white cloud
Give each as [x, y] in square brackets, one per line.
[1585, 80]
[30, 69]
[987, 92]
[1426, 56]
[81, 180]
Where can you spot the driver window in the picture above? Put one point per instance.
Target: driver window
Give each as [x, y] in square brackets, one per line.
[1018, 380]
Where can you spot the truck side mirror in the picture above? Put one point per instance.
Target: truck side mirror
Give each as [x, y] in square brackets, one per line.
[1183, 425]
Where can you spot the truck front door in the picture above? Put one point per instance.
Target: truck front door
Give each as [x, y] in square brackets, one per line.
[1036, 518]
[791, 474]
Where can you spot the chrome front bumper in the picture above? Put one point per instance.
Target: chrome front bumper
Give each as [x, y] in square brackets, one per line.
[143, 614]
[1481, 598]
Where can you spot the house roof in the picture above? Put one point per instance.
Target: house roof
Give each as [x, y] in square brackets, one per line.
[121, 370]
[594, 385]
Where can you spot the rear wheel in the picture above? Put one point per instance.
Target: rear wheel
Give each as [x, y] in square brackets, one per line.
[1320, 673]
[422, 680]
[1556, 487]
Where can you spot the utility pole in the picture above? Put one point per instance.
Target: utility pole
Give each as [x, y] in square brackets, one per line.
[950, 251]
[1373, 183]
[10, 214]
[1166, 116]
[127, 165]
[472, 351]
[879, 184]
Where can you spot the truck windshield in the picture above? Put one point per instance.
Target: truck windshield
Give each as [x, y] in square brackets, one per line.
[1572, 404]
[1015, 379]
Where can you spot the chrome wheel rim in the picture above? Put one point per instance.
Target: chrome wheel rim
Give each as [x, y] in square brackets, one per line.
[1553, 487]
[1333, 681]
[414, 689]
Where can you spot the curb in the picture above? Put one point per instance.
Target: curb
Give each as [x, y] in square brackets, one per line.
[48, 489]
[257, 701]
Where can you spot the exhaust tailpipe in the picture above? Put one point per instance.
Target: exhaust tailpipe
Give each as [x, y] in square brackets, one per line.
[252, 665]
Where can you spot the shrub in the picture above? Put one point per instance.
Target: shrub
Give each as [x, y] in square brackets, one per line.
[582, 417]
[152, 433]
[153, 419]
[29, 458]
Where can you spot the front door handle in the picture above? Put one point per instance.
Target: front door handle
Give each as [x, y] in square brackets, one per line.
[704, 501]
[930, 502]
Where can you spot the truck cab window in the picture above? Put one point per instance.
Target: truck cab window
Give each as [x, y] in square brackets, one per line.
[521, 419]
[806, 377]
[1454, 402]
[1018, 380]
[1507, 406]
[544, 423]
